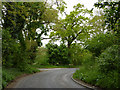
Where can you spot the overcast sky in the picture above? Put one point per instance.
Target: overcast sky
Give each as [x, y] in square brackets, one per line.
[70, 3]
[87, 3]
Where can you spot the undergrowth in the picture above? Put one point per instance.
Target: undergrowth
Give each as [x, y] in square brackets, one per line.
[9, 74]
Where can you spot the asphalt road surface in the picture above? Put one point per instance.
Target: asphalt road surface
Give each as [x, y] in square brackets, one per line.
[50, 78]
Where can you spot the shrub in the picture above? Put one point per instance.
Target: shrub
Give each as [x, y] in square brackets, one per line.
[109, 67]
[9, 74]
[104, 73]
[98, 43]
[41, 57]
[109, 60]
[14, 56]
[76, 54]
[57, 54]
[86, 74]
[80, 56]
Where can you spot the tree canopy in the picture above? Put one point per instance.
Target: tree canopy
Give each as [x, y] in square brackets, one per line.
[74, 26]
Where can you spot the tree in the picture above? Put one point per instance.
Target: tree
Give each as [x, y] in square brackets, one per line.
[97, 23]
[32, 15]
[98, 43]
[112, 16]
[20, 21]
[73, 27]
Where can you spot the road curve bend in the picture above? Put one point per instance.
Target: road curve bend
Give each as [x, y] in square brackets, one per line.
[51, 78]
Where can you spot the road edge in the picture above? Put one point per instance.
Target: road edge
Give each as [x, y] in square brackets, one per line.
[78, 82]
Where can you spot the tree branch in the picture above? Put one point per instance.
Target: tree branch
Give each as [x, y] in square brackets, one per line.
[76, 35]
[50, 38]
[59, 7]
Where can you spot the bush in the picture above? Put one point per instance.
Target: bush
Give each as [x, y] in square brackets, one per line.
[13, 55]
[97, 44]
[9, 74]
[105, 72]
[92, 76]
[10, 50]
[79, 55]
[86, 74]
[109, 60]
[41, 57]
[58, 55]
[76, 54]
[109, 80]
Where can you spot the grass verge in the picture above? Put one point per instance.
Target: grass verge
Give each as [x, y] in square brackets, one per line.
[92, 76]
[10, 74]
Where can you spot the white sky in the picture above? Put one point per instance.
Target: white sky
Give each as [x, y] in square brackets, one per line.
[70, 3]
[87, 3]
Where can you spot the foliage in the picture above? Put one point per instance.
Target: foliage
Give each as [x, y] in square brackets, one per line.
[80, 56]
[76, 51]
[73, 27]
[92, 76]
[20, 38]
[104, 72]
[97, 23]
[10, 51]
[98, 43]
[87, 74]
[26, 17]
[58, 55]
[112, 15]
[41, 57]
[9, 74]
[31, 50]
[109, 61]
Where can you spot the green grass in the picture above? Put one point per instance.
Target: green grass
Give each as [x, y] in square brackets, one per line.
[92, 76]
[9, 74]
[88, 75]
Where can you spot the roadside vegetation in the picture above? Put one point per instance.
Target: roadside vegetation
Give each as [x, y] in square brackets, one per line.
[91, 42]
[103, 69]
[10, 74]
[19, 37]
[43, 58]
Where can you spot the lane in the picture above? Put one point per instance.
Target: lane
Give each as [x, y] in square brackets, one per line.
[54, 78]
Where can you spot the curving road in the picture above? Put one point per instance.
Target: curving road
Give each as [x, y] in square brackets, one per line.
[51, 78]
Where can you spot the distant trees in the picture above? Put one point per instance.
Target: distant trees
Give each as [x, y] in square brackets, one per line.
[58, 55]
